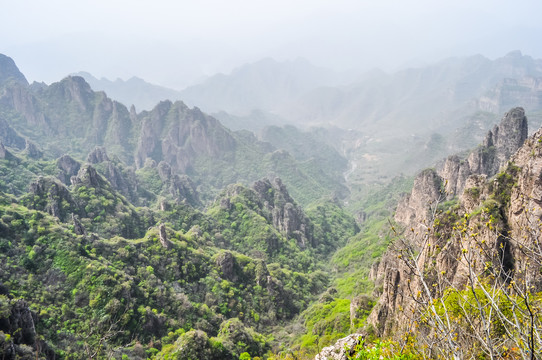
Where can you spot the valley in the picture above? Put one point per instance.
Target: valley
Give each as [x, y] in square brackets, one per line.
[330, 205]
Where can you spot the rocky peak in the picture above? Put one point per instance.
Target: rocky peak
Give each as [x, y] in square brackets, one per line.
[88, 176]
[413, 208]
[509, 135]
[499, 144]
[181, 187]
[47, 194]
[178, 135]
[68, 167]
[286, 215]
[163, 236]
[471, 179]
[74, 89]
[98, 155]
[10, 72]
[226, 263]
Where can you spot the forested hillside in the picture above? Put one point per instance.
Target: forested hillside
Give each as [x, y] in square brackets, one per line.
[163, 234]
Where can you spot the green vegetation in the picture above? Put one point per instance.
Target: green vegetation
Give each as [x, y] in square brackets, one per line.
[93, 269]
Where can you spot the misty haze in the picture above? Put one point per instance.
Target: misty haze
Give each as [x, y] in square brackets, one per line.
[250, 180]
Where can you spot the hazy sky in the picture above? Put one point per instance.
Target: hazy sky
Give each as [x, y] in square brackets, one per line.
[173, 43]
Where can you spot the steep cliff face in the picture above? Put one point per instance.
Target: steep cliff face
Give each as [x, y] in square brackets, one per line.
[178, 135]
[268, 207]
[67, 167]
[500, 143]
[493, 220]
[525, 90]
[10, 72]
[49, 195]
[181, 187]
[9, 137]
[284, 213]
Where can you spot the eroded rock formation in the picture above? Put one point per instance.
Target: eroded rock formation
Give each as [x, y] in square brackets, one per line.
[498, 216]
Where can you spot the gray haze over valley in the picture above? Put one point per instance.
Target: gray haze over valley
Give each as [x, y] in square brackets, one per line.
[177, 43]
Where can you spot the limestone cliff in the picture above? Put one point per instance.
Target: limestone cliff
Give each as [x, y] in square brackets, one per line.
[178, 135]
[450, 177]
[285, 214]
[500, 143]
[493, 222]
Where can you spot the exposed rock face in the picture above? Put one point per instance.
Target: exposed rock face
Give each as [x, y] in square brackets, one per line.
[226, 262]
[525, 90]
[178, 135]
[181, 187]
[20, 323]
[122, 179]
[78, 228]
[286, 216]
[88, 176]
[9, 137]
[342, 349]
[68, 167]
[22, 318]
[500, 143]
[10, 72]
[163, 236]
[5, 154]
[97, 155]
[414, 207]
[431, 187]
[396, 283]
[51, 196]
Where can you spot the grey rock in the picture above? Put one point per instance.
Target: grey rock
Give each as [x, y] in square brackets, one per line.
[9, 137]
[32, 150]
[341, 350]
[98, 155]
[163, 236]
[68, 167]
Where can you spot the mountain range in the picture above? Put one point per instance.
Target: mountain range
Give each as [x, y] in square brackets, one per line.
[163, 234]
[445, 107]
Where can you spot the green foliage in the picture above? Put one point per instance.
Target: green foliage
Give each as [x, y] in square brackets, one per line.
[325, 323]
[379, 351]
[334, 225]
[501, 187]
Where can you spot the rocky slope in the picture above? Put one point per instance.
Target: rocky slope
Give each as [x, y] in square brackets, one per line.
[493, 224]
[69, 117]
[452, 175]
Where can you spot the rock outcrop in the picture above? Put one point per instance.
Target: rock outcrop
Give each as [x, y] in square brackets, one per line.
[88, 176]
[98, 155]
[68, 167]
[6, 154]
[178, 135]
[450, 179]
[500, 143]
[496, 229]
[32, 150]
[285, 214]
[163, 236]
[10, 72]
[10, 137]
[19, 322]
[343, 349]
[49, 195]
[181, 187]
[123, 179]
